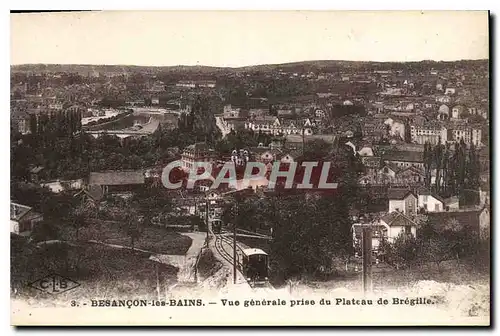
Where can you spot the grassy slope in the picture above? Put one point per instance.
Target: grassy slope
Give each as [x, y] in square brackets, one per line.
[154, 238]
[101, 271]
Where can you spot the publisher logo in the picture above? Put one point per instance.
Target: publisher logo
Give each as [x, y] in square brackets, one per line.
[54, 284]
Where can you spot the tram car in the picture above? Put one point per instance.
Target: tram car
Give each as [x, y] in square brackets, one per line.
[216, 226]
[255, 266]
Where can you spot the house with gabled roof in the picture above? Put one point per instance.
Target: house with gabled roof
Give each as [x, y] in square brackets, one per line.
[90, 195]
[410, 176]
[452, 203]
[389, 170]
[397, 223]
[117, 181]
[404, 158]
[402, 200]
[23, 219]
[371, 162]
[429, 201]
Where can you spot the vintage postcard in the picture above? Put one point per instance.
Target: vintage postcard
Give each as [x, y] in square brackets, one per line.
[252, 168]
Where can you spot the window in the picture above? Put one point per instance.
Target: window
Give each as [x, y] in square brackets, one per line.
[426, 198]
[408, 229]
[436, 207]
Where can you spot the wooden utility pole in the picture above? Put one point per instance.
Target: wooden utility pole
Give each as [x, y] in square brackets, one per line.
[207, 208]
[303, 141]
[366, 246]
[157, 280]
[234, 242]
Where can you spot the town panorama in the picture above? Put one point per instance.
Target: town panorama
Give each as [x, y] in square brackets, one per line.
[407, 147]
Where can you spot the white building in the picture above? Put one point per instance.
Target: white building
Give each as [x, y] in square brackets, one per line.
[275, 126]
[402, 200]
[430, 202]
[469, 135]
[398, 223]
[397, 128]
[450, 91]
[431, 133]
[457, 111]
[23, 219]
[443, 99]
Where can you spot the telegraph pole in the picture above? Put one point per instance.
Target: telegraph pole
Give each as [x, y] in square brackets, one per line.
[207, 207]
[157, 281]
[234, 241]
[366, 245]
[303, 141]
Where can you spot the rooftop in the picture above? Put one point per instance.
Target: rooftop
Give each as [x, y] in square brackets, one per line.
[427, 192]
[398, 193]
[398, 219]
[116, 178]
[467, 218]
[330, 138]
[17, 211]
[405, 156]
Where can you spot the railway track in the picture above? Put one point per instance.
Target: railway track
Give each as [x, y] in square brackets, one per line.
[219, 247]
[220, 240]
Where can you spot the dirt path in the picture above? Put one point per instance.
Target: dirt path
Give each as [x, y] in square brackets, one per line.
[186, 263]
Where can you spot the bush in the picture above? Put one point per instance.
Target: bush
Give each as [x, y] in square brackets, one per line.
[45, 230]
[404, 252]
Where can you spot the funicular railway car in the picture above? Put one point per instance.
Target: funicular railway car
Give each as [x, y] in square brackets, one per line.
[216, 225]
[255, 266]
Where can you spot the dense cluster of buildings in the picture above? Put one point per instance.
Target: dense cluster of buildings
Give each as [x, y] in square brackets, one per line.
[385, 116]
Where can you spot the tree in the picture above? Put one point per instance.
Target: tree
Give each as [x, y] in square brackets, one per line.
[78, 220]
[474, 118]
[308, 234]
[435, 250]
[152, 200]
[459, 240]
[316, 150]
[438, 158]
[45, 230]
[427, 164]
[133, 227]
[405, 250]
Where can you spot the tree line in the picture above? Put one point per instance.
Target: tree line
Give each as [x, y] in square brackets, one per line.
[457, 170]
[57, 143]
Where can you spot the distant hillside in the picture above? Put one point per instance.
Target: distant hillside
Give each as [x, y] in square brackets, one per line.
[331, 65]
[306, 66]
[86, 68]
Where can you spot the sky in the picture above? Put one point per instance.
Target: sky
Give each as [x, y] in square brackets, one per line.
[240, 38]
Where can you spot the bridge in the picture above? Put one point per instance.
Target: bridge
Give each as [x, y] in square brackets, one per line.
[153, 110]
[119, 133]
[145, 130]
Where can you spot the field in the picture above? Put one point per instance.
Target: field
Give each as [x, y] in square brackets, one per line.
[153, 238]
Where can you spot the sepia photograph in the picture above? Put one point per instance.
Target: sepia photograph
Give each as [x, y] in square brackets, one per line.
[250, 168]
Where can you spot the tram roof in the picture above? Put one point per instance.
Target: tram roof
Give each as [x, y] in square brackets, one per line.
[253, 251]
